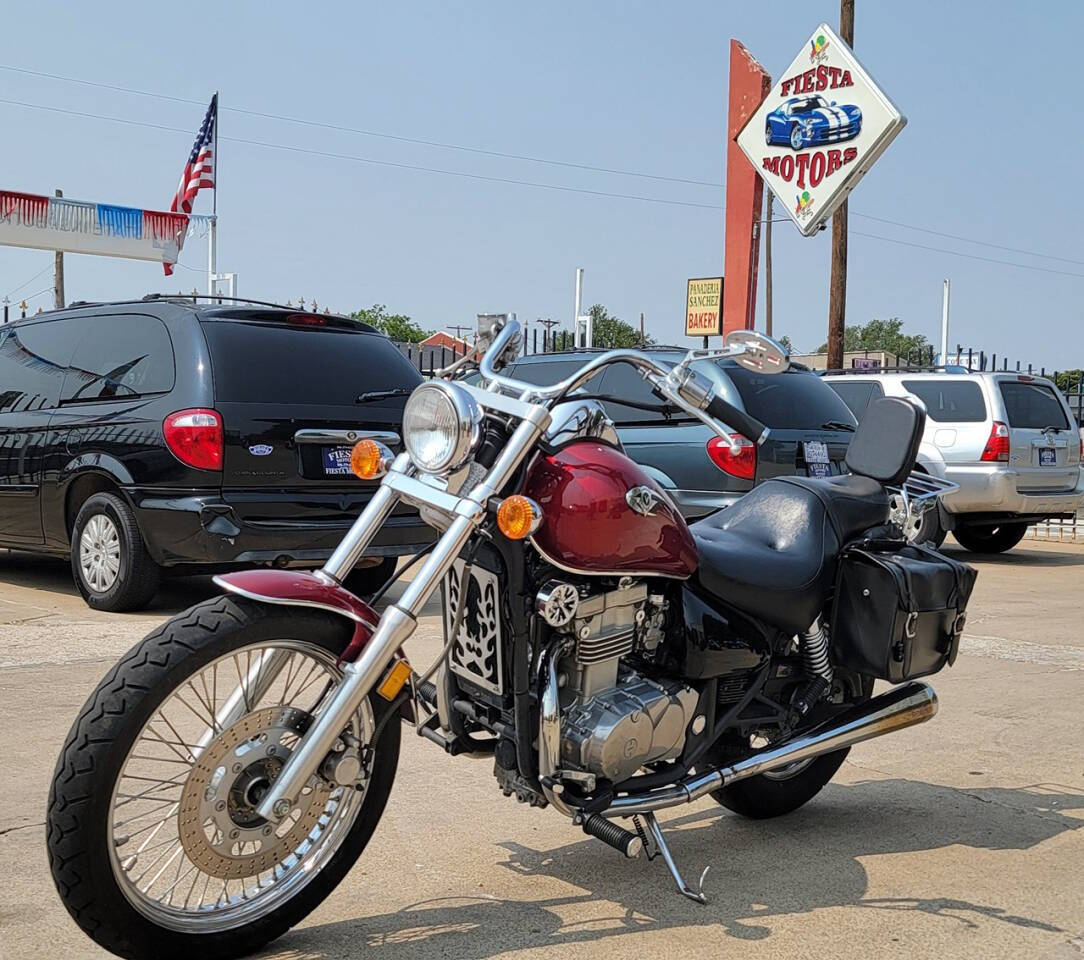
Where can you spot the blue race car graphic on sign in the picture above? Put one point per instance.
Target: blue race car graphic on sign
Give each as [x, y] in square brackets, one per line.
[804, 121]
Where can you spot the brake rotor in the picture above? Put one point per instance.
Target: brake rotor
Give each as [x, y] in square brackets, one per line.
[217, 822]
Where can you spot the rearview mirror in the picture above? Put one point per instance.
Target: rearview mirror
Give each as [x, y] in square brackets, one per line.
[760, 353]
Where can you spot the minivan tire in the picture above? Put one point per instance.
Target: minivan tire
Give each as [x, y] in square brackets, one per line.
[111, 521]
[989, 538]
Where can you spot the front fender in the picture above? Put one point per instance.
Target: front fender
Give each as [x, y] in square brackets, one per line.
[301, 588]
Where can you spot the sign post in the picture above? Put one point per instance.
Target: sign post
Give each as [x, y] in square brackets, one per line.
[704, 308]
[819, 131]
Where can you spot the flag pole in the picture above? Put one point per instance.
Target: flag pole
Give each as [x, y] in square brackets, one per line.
[214, 200]
[212, 232]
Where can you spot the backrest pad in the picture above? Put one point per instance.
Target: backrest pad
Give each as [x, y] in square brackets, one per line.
[886, 443]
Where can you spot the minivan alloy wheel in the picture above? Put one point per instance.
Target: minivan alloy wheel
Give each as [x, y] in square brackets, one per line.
[99, 553]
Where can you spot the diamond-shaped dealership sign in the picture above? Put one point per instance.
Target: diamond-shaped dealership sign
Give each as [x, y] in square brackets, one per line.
[819, 130]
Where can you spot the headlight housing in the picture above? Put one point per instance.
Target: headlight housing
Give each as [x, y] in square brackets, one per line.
[442, 426]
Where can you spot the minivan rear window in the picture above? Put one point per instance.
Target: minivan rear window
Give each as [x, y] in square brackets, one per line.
[1032, 406]
[949, 401]
[262, 362]
[788, 401]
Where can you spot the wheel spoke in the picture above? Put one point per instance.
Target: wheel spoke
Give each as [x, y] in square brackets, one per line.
[187, 846]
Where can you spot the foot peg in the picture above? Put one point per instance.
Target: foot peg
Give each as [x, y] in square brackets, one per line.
[655, 844]
[613, 834]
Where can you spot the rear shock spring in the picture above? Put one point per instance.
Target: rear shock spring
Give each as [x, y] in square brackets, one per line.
[814, 645]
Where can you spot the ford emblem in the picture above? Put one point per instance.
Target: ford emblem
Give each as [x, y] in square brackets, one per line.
[260, 449]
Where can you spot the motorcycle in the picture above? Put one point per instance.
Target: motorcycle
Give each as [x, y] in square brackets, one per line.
[610, 660]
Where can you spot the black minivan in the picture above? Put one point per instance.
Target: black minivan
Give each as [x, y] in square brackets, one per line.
[172, 434]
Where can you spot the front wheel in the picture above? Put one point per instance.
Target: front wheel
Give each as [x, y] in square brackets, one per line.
[154, 843]
[989, 539]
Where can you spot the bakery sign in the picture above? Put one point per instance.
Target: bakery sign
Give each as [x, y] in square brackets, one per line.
[819, 130]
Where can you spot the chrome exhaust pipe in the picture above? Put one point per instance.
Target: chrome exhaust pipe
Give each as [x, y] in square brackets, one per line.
[900, 707]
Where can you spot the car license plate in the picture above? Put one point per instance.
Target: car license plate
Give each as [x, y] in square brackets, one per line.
[816, 458]
[1048, 457]
[337, 461]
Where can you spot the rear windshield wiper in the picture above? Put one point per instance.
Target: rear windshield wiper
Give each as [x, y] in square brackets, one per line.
[837, 425]
[666, 409]
[1052, 429]
[383, 394]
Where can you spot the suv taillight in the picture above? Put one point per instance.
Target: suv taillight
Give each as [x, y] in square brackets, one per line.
[997, 446]
[742, 464]
[195, 437]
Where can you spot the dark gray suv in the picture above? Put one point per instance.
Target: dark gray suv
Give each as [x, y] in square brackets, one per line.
[811, 427]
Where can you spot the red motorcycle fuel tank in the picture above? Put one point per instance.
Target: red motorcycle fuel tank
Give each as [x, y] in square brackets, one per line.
[603, 514]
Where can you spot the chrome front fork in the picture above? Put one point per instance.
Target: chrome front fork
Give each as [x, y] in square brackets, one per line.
[400, 619]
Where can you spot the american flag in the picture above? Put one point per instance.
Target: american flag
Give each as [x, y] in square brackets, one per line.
[199, 171]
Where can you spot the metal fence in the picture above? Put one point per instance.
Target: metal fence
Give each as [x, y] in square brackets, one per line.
[1058, 531]
[429, 359]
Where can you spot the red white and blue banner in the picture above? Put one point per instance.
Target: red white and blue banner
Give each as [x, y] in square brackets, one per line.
[75, 226]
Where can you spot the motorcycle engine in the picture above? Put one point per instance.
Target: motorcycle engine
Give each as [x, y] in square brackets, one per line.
[614, 718]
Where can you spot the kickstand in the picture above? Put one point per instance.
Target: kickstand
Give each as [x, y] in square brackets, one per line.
[654, 844]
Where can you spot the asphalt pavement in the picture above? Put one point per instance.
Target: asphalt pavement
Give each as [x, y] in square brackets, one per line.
[961, 838]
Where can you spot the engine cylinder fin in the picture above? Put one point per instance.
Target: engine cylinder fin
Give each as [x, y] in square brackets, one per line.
[596, 649]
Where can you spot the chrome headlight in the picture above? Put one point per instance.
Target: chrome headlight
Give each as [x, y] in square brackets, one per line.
[442, 426]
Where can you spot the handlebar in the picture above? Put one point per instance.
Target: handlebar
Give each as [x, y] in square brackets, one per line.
[679, 385]
[746, 425]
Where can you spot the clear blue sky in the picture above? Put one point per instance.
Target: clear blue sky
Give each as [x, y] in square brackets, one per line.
[992, 91]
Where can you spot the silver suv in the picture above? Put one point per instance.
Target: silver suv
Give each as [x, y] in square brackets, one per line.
[1008, 439]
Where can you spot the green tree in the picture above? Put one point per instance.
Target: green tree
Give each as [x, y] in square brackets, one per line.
[881, 335]
[610, 332]
[396, 325]
[1067, 380]
[786, 343]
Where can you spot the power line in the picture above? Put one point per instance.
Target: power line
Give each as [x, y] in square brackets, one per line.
[370, 160]
[368, 133]
[535, 184]
[969, 256]
[492, 153]
[954, 236]
[30, 281]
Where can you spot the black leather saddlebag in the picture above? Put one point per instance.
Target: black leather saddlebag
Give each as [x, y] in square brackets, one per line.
[899, 609]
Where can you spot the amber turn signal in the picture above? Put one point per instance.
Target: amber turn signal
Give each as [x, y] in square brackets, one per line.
[367, 460]
[518, 517]
[393, 682]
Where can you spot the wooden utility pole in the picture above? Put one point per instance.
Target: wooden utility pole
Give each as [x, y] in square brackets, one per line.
[837, 296]
[768, 263]
[58, 274]
[641, 328]
[548, 338]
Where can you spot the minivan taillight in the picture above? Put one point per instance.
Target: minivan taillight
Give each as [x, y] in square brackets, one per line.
[997, 446]
[742, 464]
[195, 437]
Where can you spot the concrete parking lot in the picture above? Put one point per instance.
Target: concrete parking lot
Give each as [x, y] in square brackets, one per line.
[960, 838]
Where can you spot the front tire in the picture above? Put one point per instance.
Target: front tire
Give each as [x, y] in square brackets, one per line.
[110, 562]
[797, 138]
[107, 829]
[989, 539]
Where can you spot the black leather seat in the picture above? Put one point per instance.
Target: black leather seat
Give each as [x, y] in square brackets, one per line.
[773, 554]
